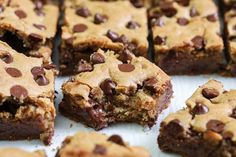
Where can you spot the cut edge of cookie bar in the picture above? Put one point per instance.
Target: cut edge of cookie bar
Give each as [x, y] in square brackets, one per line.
[26, 97]
[5, 152]
[116, 88]
[205, 127]
[86, 29]
[177, 52]
[95, 144]
[29, 26]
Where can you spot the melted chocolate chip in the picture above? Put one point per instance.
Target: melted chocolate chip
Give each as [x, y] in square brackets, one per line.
[21, 14]
[13, 72]
[97, 58]
[132, 25]
[7, 58]
[151, 84]
[210, 93]
[212, 18]
[33, 37]
[193, 12]
[123, 39]
[99, 18]
[199, 109]
[37, 71]
[69, 41]
[215, 125]
[39, 26]
[116, 139]
[41, 80]
[183, 2]
[108, 87]
[83, 66]
[168, 9]
[159, 40]
[125, 56]
[126, 67]
[174, 128]
[182, 21]
[112, 35]
[18, 92]
[137, 3]
[198, 42]
[78, 28]
[99, 150]
[84, 12]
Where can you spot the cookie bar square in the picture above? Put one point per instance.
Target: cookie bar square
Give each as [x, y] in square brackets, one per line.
[88, 144]
[26, 97]
[6, 152]
[90, 25]
[206, 127]
[29, 26]
[186, 37]
[116, 88]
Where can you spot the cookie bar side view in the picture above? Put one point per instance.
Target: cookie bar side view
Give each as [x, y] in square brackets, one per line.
[116, 88]
[90, 25]
[26, 97]
[29, 26]
[183, 42]
[206, 127]
[6, 152]
[91, 144]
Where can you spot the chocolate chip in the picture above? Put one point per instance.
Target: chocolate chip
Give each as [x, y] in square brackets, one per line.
[198, 42]
[210, 93]
[108, 87]
[125, 56]
[174, 128]
[84, 12]
[234, 27]
[123, 39]
[37, 71]
[112, 35]
[116, 139]
[199, 109]
[215, 125]
[97, 58]
[193, 12]
[183, 2]
[13, 72]
[137, 3]
[21, 14]
[157, 22]
[18, 92]
[151, 84]
[33, 37]
[132, 25]
[83, 66]
[126, 67]
[78, 28]
[38, 4]
[99, 149]
[1, 8]
[99, 18]
[168, 9]
[69, 41]
[182, 21]
[159, 40]
[39, 26]
[228, 135]
[41, 80]
[7, 58]
[233, 115]
[49, 66]
[212, 18]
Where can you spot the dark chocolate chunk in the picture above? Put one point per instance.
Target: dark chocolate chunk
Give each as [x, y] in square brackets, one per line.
[99, 150]
[108, 87]
[7, 58]
[39, 26]
[159, 40]
[168, 9]
[212, 18]
[99, 18]
[37, 71]
[125, 56]
[18, 92]
[21, 14]
[151, 84]
[198, 42]
[126, 67]
[210, 93]
[78, 28]
[112, 35]
[174, 128]
[199, 109]
[14, 72]
[33, 37]
[182, 21]
[137, 3]
[84, 12]
[41, 80]
[193, 12]
[116, 139]
[132, 25]
[183, 2]
[83, 66]
[97, 58]
[215, 125]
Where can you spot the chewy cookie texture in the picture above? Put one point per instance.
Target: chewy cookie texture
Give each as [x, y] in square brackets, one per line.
[29, 26]
[93, 144]
[186, 36]
[206, 127]
[26, 97]
[116, 88]
[15, 152]
[90, 25]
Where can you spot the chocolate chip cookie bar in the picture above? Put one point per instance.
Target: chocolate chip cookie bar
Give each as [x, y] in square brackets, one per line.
[187, 37]
[90, 25]
[230, 31]
[88, 144]
[26, 97]
[116, 88]
[29, 26]
[6, 152]
[206, 128]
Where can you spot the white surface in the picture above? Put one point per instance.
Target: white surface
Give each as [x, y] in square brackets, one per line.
[183, 87]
